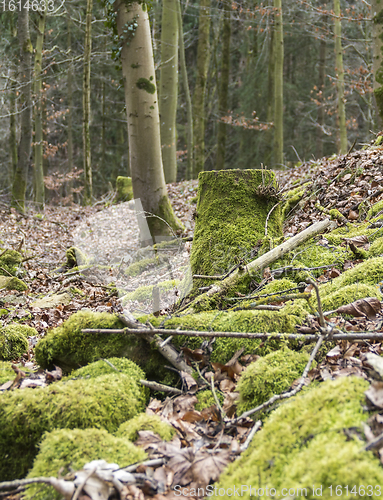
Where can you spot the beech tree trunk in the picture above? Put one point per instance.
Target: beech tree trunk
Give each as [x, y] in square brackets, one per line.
[224, 85]
[38, 139]
[342, 147]
[321, 84]
[169, 87]
[87, 165]
[203, 57]
[143, 118]
[70, 96]
[24, 148]
[278, 84]
[377, 66]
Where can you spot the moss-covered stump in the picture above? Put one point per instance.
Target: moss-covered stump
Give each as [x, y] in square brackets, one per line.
[74, 258]
[10, 262]
[143, 422]
[103, 401]
[124, 189]
[304, 443]
[272, 374]
[231, 215]
[13, 341]
[64, 450]
[12, 283]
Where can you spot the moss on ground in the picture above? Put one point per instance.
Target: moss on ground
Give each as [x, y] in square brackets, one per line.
[124, 189]
[10, 262]
[292, 198]
[206, 399]
[6, 372]
[376, 249]
[278, 286]
[272, 374]
[13, 341]
[142, 265]
[346, 295]
[104, 401]
[144, 293]
[64, 450]
[75, 257]
[143, 422]
[375, 209]
[12, 283]
[304, 442]
[337, 236]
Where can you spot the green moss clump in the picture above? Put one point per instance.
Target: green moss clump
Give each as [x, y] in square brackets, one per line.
[101, 402]
[348, 294]
[143, 422]
[64, 450]
[338, 236]
[303, 443]
[13, 342]
[147, 85]
[277, 286]
[10, 262]
[376, 249]
[375, 209]
[270, 375]
[206, 399]
[144, 293]
[12, 283]
[6, 372]
[142, 265]
[124, 189]
[75, 257]
[293, 197]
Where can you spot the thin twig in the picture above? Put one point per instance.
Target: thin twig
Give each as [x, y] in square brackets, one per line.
[155, 386]
[9, 274]
[249, 438]
[222, 413]
[320, 310]
[268, 215]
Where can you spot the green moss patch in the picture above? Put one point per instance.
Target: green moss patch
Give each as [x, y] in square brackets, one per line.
[9, 283]
[75, 257]
[206, 399]
[6, 372]
[304, 442]
[10, 262]
[124, 189]
[13, 341]
[144, 293]
[348, 294]
[142, 265]
[270, 375]
[143, 422]
[104, 401]
[64, 450]
[292, 198]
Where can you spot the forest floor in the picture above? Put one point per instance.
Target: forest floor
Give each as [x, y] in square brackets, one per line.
[351, 184]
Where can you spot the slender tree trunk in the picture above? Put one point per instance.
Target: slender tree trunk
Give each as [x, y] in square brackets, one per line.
[86, 106]
[224, 85]
[321, 84]
[143, 118]
[377, 65]
[185, 83]
[278, 85]
[12, 129]
[269, 134]
[38, 142]
[24, 149]
[340, 79]
[169, 88]
[203, 56]
[70, 95]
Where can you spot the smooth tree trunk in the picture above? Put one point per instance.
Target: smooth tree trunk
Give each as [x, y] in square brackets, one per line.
[189, 107]
[278, 83]
[321, 85]
[12, 128]
[377, 65]
[38, 113]
[25, 86]
[169, 88]
[87, 165]
[269, 134]
[340, 79]
[224, 85]
[203, 57]
[70, 96]
[143, 118]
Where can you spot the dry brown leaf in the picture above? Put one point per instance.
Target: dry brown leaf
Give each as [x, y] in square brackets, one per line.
[189, 382]
[208, 467]
[368, 307]
[352, 215]
[375, 394]
[192, 416]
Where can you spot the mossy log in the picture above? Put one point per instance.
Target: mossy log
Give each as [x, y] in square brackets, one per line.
[232, 209]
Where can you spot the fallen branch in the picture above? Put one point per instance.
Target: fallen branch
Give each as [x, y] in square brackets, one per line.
[243, 335]
[155, 386]
[208, 299]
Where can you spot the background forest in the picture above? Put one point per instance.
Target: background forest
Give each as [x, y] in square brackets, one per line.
[269, 84]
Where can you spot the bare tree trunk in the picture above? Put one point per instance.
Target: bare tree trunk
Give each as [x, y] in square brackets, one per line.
[143, 118]
[24, 149]
[86, 106]
[224, 85]
[169, 87]
[278, 85]
[321, 84]
[340, 79]
[270, 100]
[70, 96]
[38, 141]
[377, 65]
[203, 56]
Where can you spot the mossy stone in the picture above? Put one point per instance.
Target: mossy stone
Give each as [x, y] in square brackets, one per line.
[231, 217]
[63, 450]
[144, 422]
[75, 257]
[13, 341]
[104, 401]
[124, 189]
[270, 375]
[305, 442]
[12, 283]
[10, 262]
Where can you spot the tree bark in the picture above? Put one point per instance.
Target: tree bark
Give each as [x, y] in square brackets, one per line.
[278, 85]
[143, 118]
[340, 79]
[270, 99]
[38, 140]
[87, 165]
[203, 57]
[321, 84]
[70, 95]
[169, 88]
[377, 65]
[24, 149]
[224, 85]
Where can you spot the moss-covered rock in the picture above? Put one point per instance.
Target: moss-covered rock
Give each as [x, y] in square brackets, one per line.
[75, 257]
[10, 262]
[6, 372]
[304, 443]
[124, 189]
[64, 450]
[230, 218]
[13, 341]
[52, 301]
[348, 294]
[104, 401]
[143, 422]
[144, 293]
[12, 283]
[272, 374]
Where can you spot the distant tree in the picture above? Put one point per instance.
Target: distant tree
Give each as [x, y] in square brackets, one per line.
[278, 83]
[339, 70]
[377, 39]
[87, 165]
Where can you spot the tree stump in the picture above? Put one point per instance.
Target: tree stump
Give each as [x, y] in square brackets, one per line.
[231, 214]
[124, 189]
